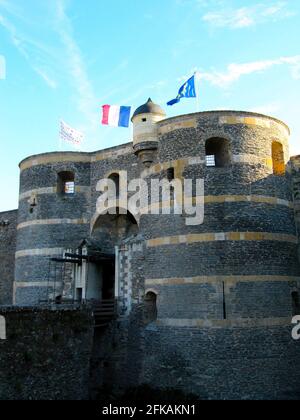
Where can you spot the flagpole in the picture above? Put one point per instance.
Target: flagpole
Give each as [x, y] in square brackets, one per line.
[60, 139]
[197, 78]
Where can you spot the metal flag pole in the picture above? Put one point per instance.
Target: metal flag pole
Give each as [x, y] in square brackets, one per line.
[197, 88]
[59, 136]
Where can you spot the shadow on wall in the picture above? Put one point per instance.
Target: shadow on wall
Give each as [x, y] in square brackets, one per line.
[111, 230]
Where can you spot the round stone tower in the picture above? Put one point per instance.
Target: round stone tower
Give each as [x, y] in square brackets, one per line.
[53, 216]
[225, 285]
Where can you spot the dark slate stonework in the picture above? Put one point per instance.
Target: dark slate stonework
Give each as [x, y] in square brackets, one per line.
[8, 236]
[262, 300]
[46, 355]
[32, 294]
[32, 269]
[228, 363]
[219, 258]
[225, 217]
[51, 206]
[204, 301]
[43, 176]
[68, 235]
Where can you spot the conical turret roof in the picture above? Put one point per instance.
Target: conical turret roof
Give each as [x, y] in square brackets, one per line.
[149, 108]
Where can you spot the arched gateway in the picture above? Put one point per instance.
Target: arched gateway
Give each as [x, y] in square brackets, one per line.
[103, 275]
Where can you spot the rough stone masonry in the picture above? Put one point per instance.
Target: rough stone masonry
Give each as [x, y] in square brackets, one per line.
[203, 309]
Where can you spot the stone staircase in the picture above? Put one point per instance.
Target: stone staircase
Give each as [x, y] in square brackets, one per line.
[104, 312]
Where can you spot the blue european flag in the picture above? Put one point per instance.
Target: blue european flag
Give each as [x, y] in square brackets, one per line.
[186, 91]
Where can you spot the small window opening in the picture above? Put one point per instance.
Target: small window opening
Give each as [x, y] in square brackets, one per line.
[170, 174]
[218, 153]
[2, 328]
[66, 183]
[224, 302]
[210, 161]
[278, 158]
[79, 294]
[58, 300]
[69, 188]
[296, 303]
[150, 308]
[33, 204]
[144, 119]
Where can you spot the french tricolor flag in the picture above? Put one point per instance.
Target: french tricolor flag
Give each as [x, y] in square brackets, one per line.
[116, 116]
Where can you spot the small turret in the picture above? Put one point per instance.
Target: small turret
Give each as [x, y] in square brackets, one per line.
[145, 136]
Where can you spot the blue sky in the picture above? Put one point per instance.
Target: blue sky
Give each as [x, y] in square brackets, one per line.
[66, 58]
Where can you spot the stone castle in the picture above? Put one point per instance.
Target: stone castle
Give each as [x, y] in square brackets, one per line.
[205, 309]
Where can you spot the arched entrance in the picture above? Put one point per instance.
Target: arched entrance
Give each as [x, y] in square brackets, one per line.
[112, 229]
[109, 232]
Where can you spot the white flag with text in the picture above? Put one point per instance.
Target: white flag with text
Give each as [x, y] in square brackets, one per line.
[70, 135]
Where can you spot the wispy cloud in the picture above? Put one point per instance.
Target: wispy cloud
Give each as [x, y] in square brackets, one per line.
[271, 108]
[248, 16]
[235, 71]
[52, 64]
[86, 98]
[45, 76]
[25, 45]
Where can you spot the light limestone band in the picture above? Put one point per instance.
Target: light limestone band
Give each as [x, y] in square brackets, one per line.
[51, 190]
[49, 222]
[229, 280]
[210, 199]
[255, 121]
[36, 284]
[224, 323]
[39, 252]
[112, 154]
[247, 198]
[173, 124]
[74, 157]
[222, 236]
[176, 125]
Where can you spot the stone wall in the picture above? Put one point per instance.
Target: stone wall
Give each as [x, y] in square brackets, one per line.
[46, 355]
[224, 363]
[8, 234]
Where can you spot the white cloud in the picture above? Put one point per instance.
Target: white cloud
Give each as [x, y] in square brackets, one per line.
[63, 60]
[248, 16]
[272, 108]
[235, 71]
[86, 98]
[49, 81]
[24, 45]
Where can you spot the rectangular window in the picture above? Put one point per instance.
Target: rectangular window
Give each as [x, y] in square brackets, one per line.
[2, 328]
[171, 174]
[79, 294]
[66, 183]
[210, 160]
[69, 187]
